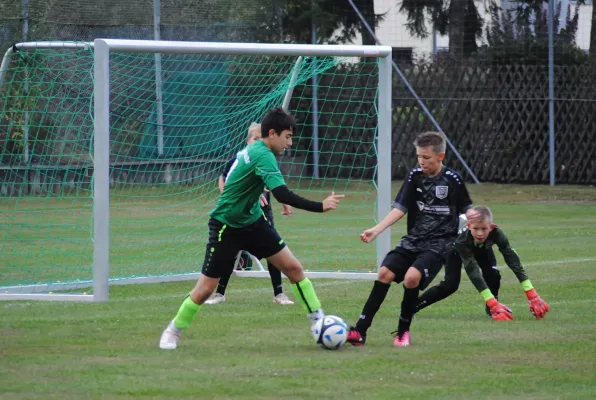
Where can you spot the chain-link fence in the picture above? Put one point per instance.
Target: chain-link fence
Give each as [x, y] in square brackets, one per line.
[511, 83]
[514, 91]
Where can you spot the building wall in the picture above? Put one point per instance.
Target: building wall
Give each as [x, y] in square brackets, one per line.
[582, 38]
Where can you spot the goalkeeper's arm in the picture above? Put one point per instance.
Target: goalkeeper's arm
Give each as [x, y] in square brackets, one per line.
[474, 272]
[538, 307]
[509, 255]
[498, 311]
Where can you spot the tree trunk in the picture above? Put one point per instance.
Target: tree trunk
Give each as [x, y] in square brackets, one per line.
[470, 26]
[367, 9]
[457, 13]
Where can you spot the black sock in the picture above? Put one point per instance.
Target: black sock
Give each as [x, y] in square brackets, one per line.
[275, 275]
[446, 287]
[408, 307]
[430, 296]
[223, 283]
[433, 295]
[372, 305]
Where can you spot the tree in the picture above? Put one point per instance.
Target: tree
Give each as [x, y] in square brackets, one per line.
[527, 7]
[457, 18]
[520, 36]
[335, 22]
[291, 21]
[367, 9]
[528, 11]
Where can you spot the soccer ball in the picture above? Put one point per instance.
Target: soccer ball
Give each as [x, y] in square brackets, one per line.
[330, 332]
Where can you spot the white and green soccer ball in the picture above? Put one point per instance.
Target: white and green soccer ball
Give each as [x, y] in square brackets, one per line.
[330, 332]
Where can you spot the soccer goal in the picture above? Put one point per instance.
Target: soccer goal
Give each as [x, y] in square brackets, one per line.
[110, 153]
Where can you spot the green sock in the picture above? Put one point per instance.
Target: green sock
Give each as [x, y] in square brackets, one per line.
[304, 292]
[186, 313]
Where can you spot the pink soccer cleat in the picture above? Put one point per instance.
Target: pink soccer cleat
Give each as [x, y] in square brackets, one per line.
[403, 340]
[355, 338]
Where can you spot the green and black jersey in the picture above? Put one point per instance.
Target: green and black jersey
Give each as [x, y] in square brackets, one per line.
[254, 169]
[466, 246]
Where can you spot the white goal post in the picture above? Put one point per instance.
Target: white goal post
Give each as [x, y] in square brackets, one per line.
[102, 51]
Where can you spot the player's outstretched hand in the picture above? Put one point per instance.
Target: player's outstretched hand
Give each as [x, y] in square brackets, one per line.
[538, 307]
[498, 311]
[286, 209]
[368, 235]
[331, 202]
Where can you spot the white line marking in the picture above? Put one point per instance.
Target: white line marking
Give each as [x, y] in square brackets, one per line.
[557, 262]
[234, 292]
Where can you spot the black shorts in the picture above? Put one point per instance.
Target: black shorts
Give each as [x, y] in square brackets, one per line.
[268, 213]
[399, 260]
[259, 238]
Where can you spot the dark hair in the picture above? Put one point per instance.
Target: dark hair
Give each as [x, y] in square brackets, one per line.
[278, 120]
[436, 140]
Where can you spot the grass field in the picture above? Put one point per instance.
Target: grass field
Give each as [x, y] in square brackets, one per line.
[49, 239]
[250, 348]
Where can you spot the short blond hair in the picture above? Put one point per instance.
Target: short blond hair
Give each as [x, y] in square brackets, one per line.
[252, 127]
[484, 214]
[436, 140]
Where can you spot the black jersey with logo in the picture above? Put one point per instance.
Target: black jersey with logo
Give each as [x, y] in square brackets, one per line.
[433, 205]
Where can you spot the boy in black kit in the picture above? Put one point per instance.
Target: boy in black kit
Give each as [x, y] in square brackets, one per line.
[433, 196]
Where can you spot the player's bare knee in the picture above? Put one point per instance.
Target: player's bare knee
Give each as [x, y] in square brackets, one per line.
[294, 272]
[291, 268]
[287, 263]
[412, 278]
[385, 275]
[203, 289]
[199, 296]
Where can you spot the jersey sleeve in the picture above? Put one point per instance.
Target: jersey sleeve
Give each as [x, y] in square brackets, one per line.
[268, 170]
[471, 266]
[405, 196]
[511, 258]
[227, 168]
[462, 200]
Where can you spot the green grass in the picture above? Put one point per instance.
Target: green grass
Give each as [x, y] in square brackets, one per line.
[48, 239]
[250, 348]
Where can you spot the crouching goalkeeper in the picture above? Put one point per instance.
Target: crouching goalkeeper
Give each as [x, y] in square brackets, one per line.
[471, 244]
